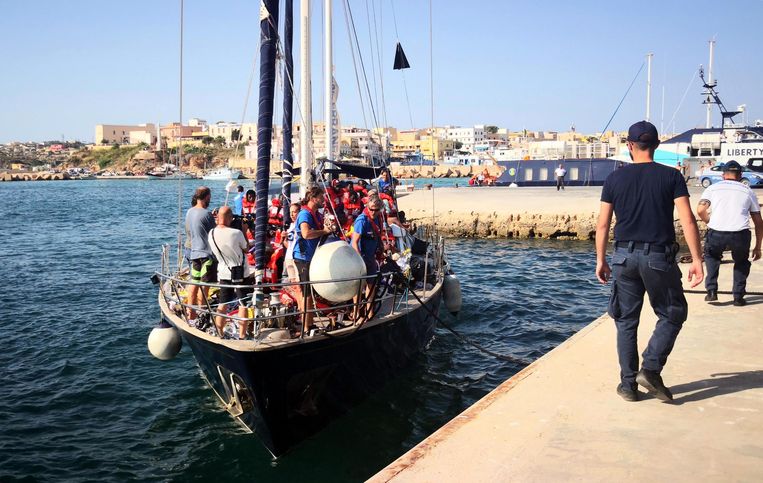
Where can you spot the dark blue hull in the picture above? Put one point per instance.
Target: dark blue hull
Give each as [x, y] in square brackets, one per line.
[287, 394]
[540, 172]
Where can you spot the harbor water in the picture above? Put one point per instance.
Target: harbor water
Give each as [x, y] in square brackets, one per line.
[82, 398]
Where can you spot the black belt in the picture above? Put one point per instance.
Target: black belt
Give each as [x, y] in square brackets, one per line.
[656, 247]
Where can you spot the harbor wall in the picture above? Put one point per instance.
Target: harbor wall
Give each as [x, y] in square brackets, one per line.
[32, 176]
[503, 212]
[443, 171]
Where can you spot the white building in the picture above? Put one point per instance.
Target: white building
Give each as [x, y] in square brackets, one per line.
[467, 136]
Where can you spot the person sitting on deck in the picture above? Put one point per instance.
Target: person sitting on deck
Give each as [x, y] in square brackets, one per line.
[229, 246]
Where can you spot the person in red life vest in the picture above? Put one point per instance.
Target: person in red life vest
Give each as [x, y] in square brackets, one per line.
[351, 200]
[367, 238]
[249, 203]
[275, 217]
[335, 205]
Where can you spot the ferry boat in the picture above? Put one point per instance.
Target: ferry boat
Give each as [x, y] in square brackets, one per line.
[540, 172]
[223, 174]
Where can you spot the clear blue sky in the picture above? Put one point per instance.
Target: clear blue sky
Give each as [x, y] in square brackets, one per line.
[67, 66]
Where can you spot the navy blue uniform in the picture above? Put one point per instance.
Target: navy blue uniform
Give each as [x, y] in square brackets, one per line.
[642, 195]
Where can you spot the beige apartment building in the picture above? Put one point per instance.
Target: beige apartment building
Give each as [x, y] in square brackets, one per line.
[125, 134]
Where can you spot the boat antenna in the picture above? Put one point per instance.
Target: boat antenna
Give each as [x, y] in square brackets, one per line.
[712, 98]
[180, 150]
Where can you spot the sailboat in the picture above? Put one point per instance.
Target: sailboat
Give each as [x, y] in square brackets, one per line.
[282, 383]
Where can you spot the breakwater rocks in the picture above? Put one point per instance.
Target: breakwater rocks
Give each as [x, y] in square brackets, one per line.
[443, 171]
[33, 176]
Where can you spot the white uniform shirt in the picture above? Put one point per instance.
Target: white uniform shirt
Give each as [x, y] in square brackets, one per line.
[731, 203]
[232, 243]
[560, 172]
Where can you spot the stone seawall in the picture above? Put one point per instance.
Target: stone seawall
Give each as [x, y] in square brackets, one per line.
[502, 212]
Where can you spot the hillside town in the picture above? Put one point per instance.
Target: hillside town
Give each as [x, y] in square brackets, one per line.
[123, 149]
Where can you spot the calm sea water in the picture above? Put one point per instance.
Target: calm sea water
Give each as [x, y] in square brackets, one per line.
[82, 399]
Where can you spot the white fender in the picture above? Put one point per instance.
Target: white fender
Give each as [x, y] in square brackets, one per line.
[451, 291]
[164, 343]
[334, 261]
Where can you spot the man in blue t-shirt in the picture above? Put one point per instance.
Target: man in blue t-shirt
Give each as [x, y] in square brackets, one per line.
[238, 201]
[642, 196]
[310, 230]
[366, 235]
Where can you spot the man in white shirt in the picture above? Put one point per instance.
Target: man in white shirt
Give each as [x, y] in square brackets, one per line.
[229, 246]
[560, 172]
[727, 207]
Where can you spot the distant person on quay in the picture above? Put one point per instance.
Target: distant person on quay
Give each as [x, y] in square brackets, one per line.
[560, 172]
[229, 246]
[238, 201]
[198, 223]
[727, 207]
[642, 196]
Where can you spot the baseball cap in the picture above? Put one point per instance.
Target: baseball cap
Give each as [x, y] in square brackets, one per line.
[643, 132]
[732, 166]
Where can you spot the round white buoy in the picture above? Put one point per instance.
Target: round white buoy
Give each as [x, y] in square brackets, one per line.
[335, 261]
[451, 291]
[164, 342]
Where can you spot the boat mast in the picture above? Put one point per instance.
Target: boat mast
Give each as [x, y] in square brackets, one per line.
[288, 102]
[648, 84]
[329, 69]
[710, 82]
[268, 41]
[306, 101]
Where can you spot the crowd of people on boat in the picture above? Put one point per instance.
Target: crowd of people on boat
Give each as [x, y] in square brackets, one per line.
[220, 244]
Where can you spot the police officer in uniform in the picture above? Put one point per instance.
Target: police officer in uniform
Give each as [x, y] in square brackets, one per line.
[642, 196]
[726, 207]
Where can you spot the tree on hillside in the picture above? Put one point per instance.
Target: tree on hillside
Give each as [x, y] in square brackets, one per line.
[491, 129]
[206, 140]
[219, 140]
[235, 135]
[458, 145]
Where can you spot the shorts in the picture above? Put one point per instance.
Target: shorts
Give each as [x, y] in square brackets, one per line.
[228, 294]
[372, 267]
[290, 270]
[303, 270]
[204, 270]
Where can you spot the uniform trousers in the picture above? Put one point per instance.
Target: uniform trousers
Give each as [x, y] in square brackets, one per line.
[639, 268]
[739, 244]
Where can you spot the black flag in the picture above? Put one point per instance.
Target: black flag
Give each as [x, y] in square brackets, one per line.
[401, 62]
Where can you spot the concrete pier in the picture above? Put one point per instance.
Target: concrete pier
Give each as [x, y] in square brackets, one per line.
[502, 212]
[560, 419]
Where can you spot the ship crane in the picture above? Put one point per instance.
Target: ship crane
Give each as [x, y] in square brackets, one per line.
[712, 98]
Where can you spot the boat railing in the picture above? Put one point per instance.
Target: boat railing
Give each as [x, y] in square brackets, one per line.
[389, 293]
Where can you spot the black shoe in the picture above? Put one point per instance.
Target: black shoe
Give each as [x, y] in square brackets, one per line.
[712, 296]
[739, 301]
[652, 382]
[630, 394]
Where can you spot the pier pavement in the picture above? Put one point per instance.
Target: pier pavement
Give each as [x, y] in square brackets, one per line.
[559, 419]
[503, 212]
